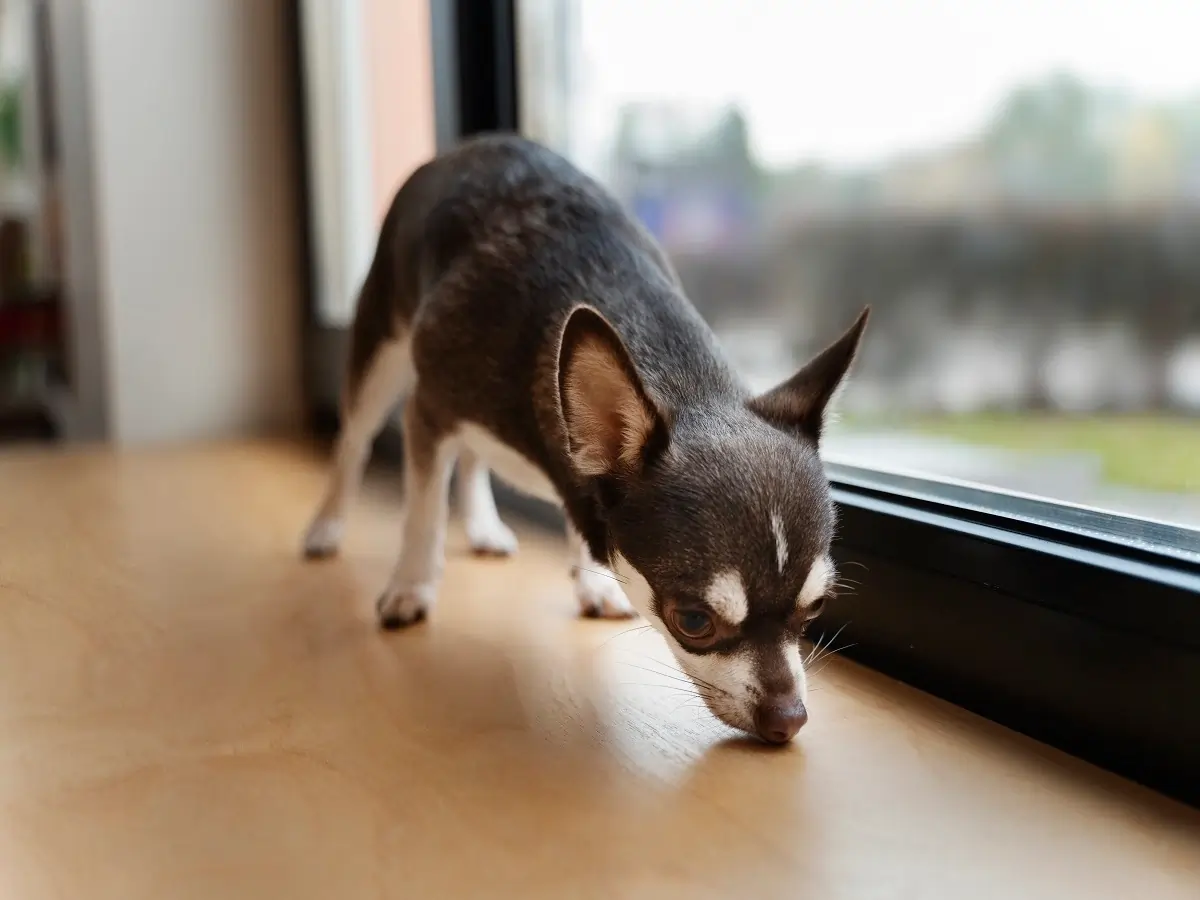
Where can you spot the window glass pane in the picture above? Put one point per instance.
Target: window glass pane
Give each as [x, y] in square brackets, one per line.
[1012, 185]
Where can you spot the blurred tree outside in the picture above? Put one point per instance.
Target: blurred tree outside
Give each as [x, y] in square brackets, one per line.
[1036, 284]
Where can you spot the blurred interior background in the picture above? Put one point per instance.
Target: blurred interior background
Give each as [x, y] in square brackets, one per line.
[150, 279]
[1013, 187]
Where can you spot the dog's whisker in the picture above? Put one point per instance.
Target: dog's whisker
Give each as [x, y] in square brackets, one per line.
[821, 649]
[695, 679]
[671, 672]
[681, 678]
[666, 667]
[632, 630]
[818, 650]
[828, 658]
[614, 576]
[808, 657]
[819, 657]
[666, 687]
[690, 703]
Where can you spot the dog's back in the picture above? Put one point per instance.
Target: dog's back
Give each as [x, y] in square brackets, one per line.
[484, 252]
[509, 233]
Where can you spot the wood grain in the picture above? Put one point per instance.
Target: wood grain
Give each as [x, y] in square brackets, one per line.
[188, 710]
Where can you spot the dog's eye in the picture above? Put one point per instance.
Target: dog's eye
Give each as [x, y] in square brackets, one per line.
[815, 609]
[693, 624]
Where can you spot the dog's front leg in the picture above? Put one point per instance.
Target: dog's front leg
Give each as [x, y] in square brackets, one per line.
[429, 454]
[597, 587]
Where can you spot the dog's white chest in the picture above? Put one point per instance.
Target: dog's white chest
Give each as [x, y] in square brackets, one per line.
[510, 465]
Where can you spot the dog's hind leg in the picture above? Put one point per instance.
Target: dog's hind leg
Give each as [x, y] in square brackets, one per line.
[387, 377]
[486, 533]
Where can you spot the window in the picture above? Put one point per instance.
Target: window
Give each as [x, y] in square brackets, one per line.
[1013, 187]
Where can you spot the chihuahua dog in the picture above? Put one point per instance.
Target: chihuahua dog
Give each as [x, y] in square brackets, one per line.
[539, 332]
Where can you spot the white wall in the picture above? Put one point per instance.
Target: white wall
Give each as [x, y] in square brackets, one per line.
[195, 218]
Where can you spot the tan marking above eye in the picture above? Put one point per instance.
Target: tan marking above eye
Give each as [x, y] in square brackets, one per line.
[817, 583]
[726, 596]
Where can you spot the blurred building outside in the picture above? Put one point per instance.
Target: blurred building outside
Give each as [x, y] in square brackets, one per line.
[1035, 282]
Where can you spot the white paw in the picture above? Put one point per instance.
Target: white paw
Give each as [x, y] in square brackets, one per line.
[323, 537]
[600, 596]
[404, 606]
[491, 537]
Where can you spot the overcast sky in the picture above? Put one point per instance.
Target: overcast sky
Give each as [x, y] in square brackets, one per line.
[856, 80]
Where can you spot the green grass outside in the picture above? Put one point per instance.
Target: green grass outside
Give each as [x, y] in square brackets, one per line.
[1150, 452]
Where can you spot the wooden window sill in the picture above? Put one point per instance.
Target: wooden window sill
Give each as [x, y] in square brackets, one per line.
[190, 710]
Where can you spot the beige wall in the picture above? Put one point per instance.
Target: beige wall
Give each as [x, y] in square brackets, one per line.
[195, 217]
[400, 87]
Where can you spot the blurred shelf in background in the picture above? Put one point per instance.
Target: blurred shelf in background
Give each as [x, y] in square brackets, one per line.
[33, 371]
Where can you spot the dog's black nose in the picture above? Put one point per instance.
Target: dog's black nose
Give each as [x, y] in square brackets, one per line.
[777, 719]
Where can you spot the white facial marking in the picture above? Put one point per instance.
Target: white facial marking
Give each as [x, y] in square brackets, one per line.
[781, 547]
[727, 597]
[795, 662]
[732, 701]
[820, 575]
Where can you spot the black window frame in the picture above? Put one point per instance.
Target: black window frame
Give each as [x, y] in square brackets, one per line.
[1085, 638]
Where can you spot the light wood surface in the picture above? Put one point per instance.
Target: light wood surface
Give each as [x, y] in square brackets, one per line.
[188, 710]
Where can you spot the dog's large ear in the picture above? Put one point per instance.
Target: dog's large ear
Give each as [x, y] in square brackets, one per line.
[611, 422]
[799, 404]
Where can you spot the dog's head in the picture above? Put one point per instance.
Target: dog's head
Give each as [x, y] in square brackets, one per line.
[718, 516]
